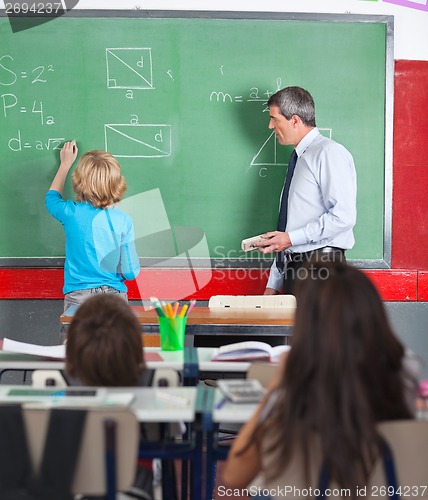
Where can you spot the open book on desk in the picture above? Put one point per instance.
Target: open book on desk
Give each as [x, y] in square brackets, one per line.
[46, 351]
[54, 351]
[251, 350]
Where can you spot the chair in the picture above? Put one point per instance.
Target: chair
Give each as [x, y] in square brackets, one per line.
[408, 441]
[43, 378]
[99, 470]
[263, 372]
[166, 376]
[253, 301]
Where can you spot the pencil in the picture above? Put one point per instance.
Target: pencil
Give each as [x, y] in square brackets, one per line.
[183, 311]
[192, 305]
[175, 310]
[221, 403]
[170, 310]
[157, 306]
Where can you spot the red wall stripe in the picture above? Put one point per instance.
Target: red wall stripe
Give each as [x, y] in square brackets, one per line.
[410, 202]
[423, 286]
[37, 283]
[395, 284]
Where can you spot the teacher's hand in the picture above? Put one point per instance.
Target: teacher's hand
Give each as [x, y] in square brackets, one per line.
[273, 241]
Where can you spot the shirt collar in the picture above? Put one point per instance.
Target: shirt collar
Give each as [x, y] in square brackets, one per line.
[306, 141]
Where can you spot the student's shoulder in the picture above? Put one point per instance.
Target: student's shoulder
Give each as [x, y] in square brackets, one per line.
[117, 214]
[52, 194]
[55, 199]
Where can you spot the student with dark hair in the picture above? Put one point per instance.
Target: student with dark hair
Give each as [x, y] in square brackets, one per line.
[345, 373]
[105, 349]
[104, 344]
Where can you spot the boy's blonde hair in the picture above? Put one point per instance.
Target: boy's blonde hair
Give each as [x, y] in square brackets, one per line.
[98, 179]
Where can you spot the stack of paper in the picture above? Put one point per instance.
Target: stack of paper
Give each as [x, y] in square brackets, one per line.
[48, 351]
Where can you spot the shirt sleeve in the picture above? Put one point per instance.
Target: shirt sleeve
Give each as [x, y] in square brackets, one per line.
[276, 278]
[55, 205]
[129, 261]
[337, 181]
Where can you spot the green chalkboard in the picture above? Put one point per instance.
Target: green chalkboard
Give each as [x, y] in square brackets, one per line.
[180, 99]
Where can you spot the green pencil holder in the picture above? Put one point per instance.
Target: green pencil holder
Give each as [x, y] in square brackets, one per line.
[172, 333]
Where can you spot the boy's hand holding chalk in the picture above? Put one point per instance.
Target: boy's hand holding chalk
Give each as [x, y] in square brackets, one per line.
[67, 156]
[69, 153]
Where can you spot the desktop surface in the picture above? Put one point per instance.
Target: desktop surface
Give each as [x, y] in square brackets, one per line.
[211, 316]
[204, 324]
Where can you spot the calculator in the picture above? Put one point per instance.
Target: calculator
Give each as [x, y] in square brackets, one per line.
[242, 391]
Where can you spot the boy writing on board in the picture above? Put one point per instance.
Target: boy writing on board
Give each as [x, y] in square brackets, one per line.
[100, 250]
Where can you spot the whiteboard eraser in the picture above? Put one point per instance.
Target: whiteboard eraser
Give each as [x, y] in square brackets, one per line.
[248, 244]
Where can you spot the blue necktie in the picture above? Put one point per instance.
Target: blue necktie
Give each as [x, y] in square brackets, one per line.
[282, 216]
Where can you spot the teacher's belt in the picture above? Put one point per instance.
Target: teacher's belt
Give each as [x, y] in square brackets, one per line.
[334, 252]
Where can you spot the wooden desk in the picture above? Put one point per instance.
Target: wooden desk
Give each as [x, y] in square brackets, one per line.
[205, 321]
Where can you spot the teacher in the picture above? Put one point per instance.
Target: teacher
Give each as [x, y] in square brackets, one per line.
[317, 211]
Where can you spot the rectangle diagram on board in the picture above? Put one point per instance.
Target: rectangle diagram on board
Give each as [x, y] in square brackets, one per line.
[129, 68]
[138, 140]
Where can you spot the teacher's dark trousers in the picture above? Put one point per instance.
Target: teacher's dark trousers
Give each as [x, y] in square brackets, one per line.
[295, 264]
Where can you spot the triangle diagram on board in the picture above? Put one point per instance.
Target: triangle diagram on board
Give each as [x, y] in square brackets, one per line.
[267, 154]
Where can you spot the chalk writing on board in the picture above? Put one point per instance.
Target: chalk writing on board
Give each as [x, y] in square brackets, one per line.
[9, 77]
[129, 68]
[326, 131]
[220, 96]
[267, 155]
[17, 143]
[10, 101]
[254, 95]
[138, 140]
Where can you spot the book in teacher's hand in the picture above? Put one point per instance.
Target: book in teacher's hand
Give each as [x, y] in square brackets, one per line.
[251, 350]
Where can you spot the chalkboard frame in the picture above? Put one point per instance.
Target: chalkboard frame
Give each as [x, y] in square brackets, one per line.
[251, 262]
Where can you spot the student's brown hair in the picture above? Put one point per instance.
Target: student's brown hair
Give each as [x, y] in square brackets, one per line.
[343, 375]
[104, 345]
[98, 179]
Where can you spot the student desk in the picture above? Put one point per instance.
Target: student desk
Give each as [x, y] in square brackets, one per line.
[190, 361]
[185, 361]
[212, 322]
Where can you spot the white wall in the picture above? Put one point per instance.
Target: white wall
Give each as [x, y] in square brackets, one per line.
[411, 25]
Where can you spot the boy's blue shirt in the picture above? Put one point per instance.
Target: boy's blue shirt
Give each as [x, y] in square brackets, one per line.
[100, 247]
